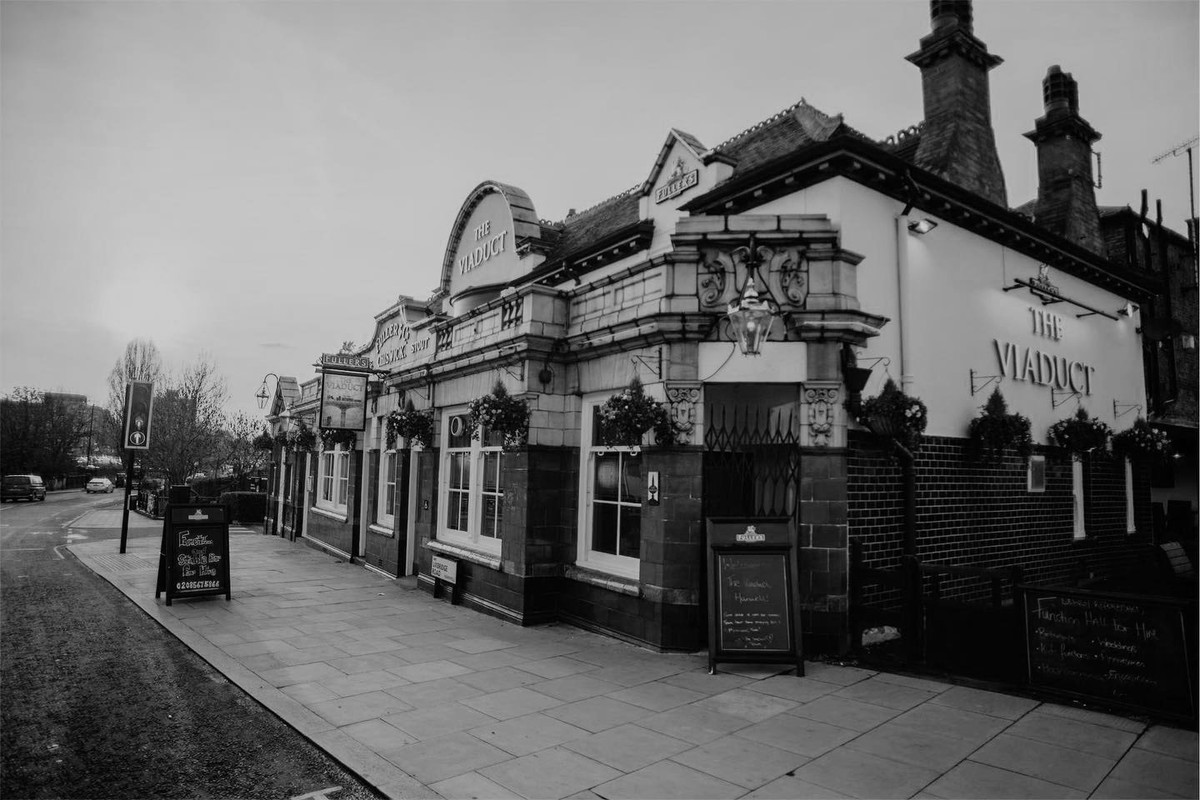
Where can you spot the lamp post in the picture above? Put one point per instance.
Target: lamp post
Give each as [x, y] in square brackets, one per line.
[263, 395]
[750, 316]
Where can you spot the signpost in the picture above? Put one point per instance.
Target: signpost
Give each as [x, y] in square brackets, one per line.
[753, 598]
[194, 556]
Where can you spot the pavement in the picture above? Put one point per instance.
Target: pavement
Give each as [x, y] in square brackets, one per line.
[425, 699]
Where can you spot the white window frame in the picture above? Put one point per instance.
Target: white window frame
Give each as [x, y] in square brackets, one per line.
[333, 480]
[1130, 518]
[385, 513]
[477, 454]
[622, 566]
[1079, 528]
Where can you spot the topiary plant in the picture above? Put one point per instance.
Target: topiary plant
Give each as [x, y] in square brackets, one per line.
[995, 431]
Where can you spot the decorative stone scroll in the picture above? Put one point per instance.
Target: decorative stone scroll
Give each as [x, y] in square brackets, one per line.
[822, 413]
[782, 272]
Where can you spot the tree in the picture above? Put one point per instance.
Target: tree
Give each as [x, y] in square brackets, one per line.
[40, 431]
[241, 454]
[186, 425]
[141, 362]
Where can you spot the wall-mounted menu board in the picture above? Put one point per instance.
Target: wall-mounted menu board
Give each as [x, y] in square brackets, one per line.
[1128, 650]
[194, 556]
[753, 603]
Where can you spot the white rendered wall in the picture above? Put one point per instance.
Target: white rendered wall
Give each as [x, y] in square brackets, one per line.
[957, 310]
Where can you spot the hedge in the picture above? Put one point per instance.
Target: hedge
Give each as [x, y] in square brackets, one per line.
[246, 506]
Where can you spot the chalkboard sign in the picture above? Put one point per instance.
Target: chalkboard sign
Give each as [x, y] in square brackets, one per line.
[194, 556]
[1127, 650]
[753, 603]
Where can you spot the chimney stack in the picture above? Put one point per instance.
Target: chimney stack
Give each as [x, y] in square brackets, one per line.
[957, 142]
[1066, 201]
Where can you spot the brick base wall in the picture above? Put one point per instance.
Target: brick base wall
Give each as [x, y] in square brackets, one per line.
[981, 514]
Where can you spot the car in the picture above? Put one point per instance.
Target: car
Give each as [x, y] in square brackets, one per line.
[99, 485]
[22, 487]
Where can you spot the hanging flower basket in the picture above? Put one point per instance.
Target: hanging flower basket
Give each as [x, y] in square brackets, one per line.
[626, 417]
[332, 437]
[264, 441]
[1079, 434]
[501, 414]
[895, 415]
[1142, 442]
[995, 431]
[300, 439]
[409, 423]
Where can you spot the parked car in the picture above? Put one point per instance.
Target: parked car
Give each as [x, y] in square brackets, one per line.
[22, 487]
[98, 485]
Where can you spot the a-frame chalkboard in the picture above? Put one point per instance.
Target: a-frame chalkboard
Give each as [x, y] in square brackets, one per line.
[194, 556]
[753, 592]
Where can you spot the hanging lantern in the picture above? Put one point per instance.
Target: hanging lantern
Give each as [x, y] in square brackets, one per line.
[751, 319]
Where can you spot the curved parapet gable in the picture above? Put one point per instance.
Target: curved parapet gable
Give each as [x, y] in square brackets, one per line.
[489, 245]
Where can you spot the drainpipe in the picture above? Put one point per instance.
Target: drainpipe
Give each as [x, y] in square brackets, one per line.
[902, 295]
[909, 493]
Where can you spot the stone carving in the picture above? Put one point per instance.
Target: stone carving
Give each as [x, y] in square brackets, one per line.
[682, 398]
[822, 404]
[778, 273]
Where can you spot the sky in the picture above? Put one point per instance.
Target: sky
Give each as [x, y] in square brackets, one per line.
[256, 180]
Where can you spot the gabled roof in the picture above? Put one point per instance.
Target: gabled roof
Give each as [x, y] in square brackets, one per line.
[796, 126]
[689, 143]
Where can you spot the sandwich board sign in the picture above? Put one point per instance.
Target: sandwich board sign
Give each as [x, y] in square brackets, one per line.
[194, 556]
[753, 602]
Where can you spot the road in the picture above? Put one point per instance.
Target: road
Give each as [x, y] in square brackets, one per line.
[97, 700]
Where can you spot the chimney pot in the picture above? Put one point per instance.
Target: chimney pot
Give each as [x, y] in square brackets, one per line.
[945, 13]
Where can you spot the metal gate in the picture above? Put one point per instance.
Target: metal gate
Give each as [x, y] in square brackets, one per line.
[751, 451]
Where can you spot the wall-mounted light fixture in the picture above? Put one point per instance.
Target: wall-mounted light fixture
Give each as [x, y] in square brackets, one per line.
[1127, 310]
[263, 395]
[920, 227]
[750, 316]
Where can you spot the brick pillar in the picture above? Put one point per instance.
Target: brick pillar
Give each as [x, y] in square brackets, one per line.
[824, 509]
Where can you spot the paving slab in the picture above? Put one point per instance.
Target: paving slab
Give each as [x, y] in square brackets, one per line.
[740, 761]
[628, 747]
[1048, 762]
[1159, 771]
[859, 774]
[668, 780]
[550, 774]
[974, 781]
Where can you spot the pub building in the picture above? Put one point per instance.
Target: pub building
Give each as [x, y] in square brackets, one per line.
[861, 261]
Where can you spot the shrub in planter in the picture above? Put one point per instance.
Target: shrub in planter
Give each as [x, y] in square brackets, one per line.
[332, 437]
[500, 414]
[408, 423]
[894, 414]
[1079, 434]
[627, 416]
[1142, 442]
[995, 431]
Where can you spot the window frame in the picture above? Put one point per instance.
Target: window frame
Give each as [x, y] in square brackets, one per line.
[613, 564]
[475, 456]
[385, 513]
[333, 481]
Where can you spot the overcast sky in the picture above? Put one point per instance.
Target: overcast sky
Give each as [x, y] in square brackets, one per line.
[257, 180]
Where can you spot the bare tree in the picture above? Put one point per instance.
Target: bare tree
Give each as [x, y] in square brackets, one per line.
[241, 454]
[186, 426]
